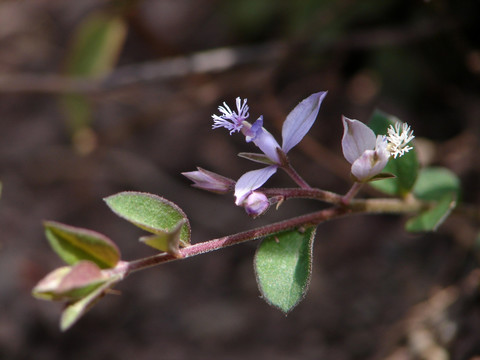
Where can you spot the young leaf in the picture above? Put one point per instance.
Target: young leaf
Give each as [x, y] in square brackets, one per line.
[70, 282]
[434, 182]
[168, 241]
[283, 265]
[431, 219]
[405, 168]
[76, 310]
[46, 288]
[74, 244]
[150, 212]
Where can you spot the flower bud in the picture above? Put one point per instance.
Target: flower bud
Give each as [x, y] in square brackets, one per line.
[256, 204]
[210, 181]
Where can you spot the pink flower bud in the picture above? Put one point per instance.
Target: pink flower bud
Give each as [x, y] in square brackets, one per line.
[256, 204]
[210, 181]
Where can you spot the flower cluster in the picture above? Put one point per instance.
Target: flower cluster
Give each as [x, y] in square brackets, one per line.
[295, 127]
[368, 153]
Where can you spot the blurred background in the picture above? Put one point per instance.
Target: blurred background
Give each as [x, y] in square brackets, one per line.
[98, 97]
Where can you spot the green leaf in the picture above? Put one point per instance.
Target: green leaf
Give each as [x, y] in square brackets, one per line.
[74, 311]
[283, 265]
[434, 182]
[431, 219]
[74, 244]
[96, 45]
[405, 168]
[168, 241]
[150, 212]
[94, 51]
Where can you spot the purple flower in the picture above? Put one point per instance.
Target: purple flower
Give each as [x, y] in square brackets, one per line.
[297, 124]
[251, 181]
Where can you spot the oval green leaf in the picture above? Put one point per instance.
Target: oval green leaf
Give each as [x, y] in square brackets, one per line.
[405, 168]
[431, 219]
[434, 182]
[150, 212]
[283, 264]
[74, 244]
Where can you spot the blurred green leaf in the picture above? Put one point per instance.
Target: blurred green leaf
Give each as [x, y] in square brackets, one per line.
[283, 265]
[431, 219]
[405, 168]
[74, 311]
[96, 45]
[74, 244]
[94, 51]
[150, 212]
[70, 282]
[434, 182]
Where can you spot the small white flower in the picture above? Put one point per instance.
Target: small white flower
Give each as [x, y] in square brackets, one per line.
[366, 152]
[398, 139]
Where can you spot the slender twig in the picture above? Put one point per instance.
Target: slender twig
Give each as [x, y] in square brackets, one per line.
[305, 220]
[315, 218]
[299, 193]
[210, 61]
[295, 176]
[288, 168]
[352, 192]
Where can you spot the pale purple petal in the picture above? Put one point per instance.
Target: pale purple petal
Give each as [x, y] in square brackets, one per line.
[300, 120]
[357, 137]
[252, 180]
[254, 130]
[369, 164]
[267, 143]
[263, 139]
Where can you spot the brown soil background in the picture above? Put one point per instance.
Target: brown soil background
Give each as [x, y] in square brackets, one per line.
[376, 291]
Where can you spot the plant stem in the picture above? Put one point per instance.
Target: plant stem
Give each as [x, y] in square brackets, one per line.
[288, 168]
[315, 218]
[312, 193]
[295, 176]
[351, 193]
[305, 220]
